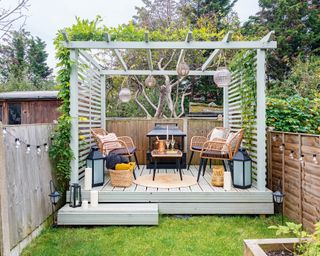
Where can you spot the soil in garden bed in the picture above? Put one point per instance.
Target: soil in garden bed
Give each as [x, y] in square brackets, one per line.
[280, 253]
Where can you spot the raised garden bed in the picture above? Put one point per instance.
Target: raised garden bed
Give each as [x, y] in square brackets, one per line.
[269, 247]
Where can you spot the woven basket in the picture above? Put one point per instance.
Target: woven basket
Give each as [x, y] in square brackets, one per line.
[217, 176]
[121, 178]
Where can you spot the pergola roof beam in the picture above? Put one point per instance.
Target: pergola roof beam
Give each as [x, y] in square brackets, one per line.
[183, 51]
[116, 52]
[200, 45]
[216, 52]
[268, 37]
[149, 54]
[65, 36]
[154, 72]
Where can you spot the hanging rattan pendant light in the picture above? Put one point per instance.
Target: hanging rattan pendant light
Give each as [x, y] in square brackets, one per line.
[183, 69]
[150, 81]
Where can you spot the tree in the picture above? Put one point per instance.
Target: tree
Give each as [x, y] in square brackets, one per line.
[156, 14]
[10, 16]
[37, 60]
[23, 61]
[193, 10]
[297, 28]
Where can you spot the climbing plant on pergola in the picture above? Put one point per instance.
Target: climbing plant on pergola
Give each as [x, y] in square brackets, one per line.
[86, 79]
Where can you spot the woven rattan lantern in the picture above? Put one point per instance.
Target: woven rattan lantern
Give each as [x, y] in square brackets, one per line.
[222, 77]
[150, 81]
[183, 69]
[125, 95]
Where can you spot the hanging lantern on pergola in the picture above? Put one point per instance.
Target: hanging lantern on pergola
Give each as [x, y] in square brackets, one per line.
[183, 69]
[150, 81]
[222, 77]
[125, 93]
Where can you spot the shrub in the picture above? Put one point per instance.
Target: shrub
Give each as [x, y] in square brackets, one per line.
[295, 114]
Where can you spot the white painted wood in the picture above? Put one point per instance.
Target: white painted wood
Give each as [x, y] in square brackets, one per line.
[261, 121]
[225, 108]
[103, 102]
[268, 37]
[121, 60]
[216, 52]
[149, 53]
[89, 58]
[154, 72]
[201, 45]
[110, 214]
[183, 51]
[216, 208]
[74, 145]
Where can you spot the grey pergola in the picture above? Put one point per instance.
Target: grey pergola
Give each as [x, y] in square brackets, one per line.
[87, 89]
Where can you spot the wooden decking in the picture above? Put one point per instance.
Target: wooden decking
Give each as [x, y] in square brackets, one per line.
[202, 198]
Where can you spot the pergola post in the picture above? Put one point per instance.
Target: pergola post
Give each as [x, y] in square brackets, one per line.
[103, 101]
[225, 107]
[261, 120]
[74, 142]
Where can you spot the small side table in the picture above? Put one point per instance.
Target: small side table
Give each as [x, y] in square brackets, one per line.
[155, 154]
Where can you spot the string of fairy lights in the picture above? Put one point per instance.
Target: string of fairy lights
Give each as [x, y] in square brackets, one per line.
[28, 146]
[292, 153]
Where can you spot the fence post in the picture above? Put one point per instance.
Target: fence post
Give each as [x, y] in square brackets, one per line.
[4, 217]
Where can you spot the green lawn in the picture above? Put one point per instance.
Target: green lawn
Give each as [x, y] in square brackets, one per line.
[198, 235]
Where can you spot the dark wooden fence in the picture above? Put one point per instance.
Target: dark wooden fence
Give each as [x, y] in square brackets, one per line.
[137, 128]
[294, 162]
[25, 203]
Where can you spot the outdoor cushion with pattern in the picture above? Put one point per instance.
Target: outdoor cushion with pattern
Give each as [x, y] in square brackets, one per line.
[230, 140]
[113, 143]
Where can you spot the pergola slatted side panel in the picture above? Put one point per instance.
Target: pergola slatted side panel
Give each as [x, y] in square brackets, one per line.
[237, 119]
[89, 106]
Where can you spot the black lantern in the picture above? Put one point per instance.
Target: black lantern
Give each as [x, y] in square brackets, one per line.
[54, 198]
[278, 200]
[242, 169]
[97, 162]
[75, 195]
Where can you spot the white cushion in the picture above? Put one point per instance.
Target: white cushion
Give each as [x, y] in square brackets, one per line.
[216, 134]
[229, 140]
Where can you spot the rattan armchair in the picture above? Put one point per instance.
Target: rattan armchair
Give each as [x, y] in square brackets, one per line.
[197, 142]
[219, 149]
[126, 145]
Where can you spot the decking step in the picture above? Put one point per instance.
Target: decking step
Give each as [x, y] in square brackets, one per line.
[110, 214]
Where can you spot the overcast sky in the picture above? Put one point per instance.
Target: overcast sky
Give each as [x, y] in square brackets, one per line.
[45, 17]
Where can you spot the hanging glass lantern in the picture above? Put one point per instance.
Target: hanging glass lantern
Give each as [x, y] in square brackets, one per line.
[150, 81]
[183, 69]
[222, 77]
[125, 95]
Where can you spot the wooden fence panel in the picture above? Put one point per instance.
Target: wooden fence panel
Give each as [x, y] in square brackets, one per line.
[28, 177]
[137, 128]
[299, 178]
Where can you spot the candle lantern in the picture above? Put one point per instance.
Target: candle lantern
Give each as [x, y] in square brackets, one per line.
[125, 95]
[97, 162]
[54, 198]
[242, 169]
[278, 200]
[75, 195]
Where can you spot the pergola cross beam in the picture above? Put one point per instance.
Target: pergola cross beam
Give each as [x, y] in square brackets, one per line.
[183, 51]
[216, 52]
[117, 53]
[149, 53]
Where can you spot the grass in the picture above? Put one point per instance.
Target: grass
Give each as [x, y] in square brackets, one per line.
[198, 235]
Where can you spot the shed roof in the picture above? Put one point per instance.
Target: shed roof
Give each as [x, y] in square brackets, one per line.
[29, 95]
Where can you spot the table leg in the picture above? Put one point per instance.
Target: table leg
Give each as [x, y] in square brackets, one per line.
[179, 168]
[154, 168]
